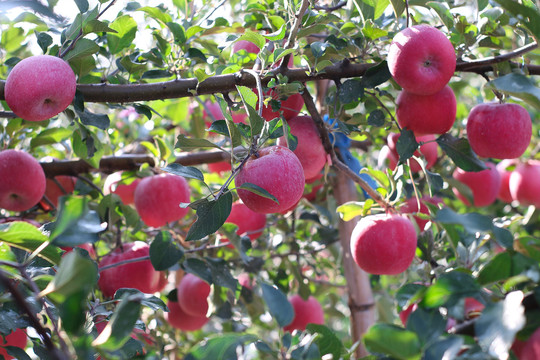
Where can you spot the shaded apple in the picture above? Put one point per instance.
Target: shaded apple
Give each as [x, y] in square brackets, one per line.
[193, 295]
[215, 110]
[249, 222]
[484, 185]
[179, 319]
[59, 186]
[427, 151]
[523, 183]
[306, 312]
[290, 105]
[502, 168]
[125, 189]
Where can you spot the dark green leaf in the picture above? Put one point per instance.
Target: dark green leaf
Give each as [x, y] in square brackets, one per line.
[376, 75]
[83, 48]
[436, 181]
[73, 311]
[472, 222]
[198, 267]
[126, 29]
[82, 5]
[221, 274]
[258, 190]
[376, 118]
[178, 32]
[101, 121]
[44, 41]
[460, 152]
[222, 347]
[447, 348]
[499, 268]
[327, 341]
[220, 127]
[527, 15]
[519, 86]
[195, 54]
[148, 300]
[210, 216]
[164, 252]
[406, 145]
[350, 91]
[279, 306]
[156, 74]
[422, 319]
[185, 171]
[11, 320]
[17, 353]
[392, 340]
[449, 289]
[318, 48]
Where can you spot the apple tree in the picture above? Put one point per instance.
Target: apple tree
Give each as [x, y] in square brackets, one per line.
[269, 179]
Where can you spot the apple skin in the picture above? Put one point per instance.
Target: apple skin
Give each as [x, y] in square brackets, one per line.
[306, 312]
[429, 151]
[249, 222]
[53, 191]
[179, 319]
[16, 338]
[246, 45]
[383, 244]
[523, 183]
[485, 185]
[421, 59]
[411, 206]
[22, 181]
[277, 170]
[40, 87]
[528, 349]
[427, 114]
[404, 314]
[139, 275]
[126, 192]
[86, 246]
[157, 199]
[504, 192]
[310, 150]
[220, 167]
[193, 294]
[500, 131]
[473, 308]
[215, 110]
[290, 106]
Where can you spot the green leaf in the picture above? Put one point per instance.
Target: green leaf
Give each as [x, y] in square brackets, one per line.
[44, 41]
[327, 340]
[221, 274]
[101, 121]
[178, 32]
[211, 214]
[460, 152]
[50, 136]
[443, 10]
[199, 268]
[446, 348]
[318, 49]
[221, 347]
[82, 5]
[499, 268]
[185, 171]
[73, 311]
[150, 301]
[394, 341]
[519, 86]
[258, 190]
[11, 320]
[118, 330]
[350, 210]
[23, 235]
[350, 91]
[164, 252]
[185, 144]
[422, 319]
[279, 306]
[472, 222]
[406, 145]
[253, 37]
[234, 134]
[279, 34]
[83, 47]
[126, 29]
[398, 6]
[449, 289]
[157, 14]
[528, 16]
[376, 75]
[96, 26]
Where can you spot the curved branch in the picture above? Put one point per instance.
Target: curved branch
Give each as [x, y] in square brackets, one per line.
[472, 65]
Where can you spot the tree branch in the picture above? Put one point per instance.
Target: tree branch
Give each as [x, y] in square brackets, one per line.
[326, 8]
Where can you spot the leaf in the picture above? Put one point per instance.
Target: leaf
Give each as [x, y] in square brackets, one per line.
[11, 320]
[472, 222]
[50, 136]
[279, 306]
[185, 171]
[446, 348]
[422, 319]
[376, 75]
[318, 48]
[519, 86]
[253, 37]
[221, 274]
[528, 16]
[460, 152]
[148, 300]
[398, 6]
[23, 235]
[394, 341]
[82, 5]
[198, 267]
[101, 121]
[443, 10]
[258, 190]
[327, 341]
[96, 26]
[44, 41]
[126, 29]
[156, 13]
[350, 91]
[350, 210]
[210, 216]
[221, 347]
[406, 145]
[185, 144]
[83, 47]
[499, 268]
[449, 289]
[164, 252]
[376, 118]
[250, 103]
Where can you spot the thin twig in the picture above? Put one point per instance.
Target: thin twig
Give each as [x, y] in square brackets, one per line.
[466, 65]
[294, 31]
[326, 8]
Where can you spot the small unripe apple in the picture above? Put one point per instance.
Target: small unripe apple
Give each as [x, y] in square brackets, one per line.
[179, 319]
[59, 186]
[310, 150]
[523, 183]
[306, 312]
[421, 59]
[485, 185]
[500, 131]
[139, 275]
[249, 222]
[16, 338]
[383, 244]
[277, 170]
[502, 168]
[193, 295]
[429, 151]
[290, 106]
[40, 87]
[158, 198]
[22, 180]
[427, 114]
[114, 185]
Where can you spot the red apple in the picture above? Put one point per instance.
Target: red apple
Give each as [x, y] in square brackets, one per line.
[427, 114]
[404, 314]
[421, 59]
[502, 168]
[22, 181]
[179, 319]
[501, 131]
[158, 198]
[310, 150]
[383, 244]
[277, 170]
[220, 167]
[411, 207]
[248, 46]
[305, 312]
[529, 349]
[88, 247]
[249, 222]
[139, 275]
[290, 106]
[193, 295]
[429, 151]
[115, 185]
[16, 338]
[485, 185]
[473, 308]
[215, 110]
[40, 87]
[59, 186]
[523, 183]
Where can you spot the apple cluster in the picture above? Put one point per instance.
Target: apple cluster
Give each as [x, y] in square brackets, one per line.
[189, 312]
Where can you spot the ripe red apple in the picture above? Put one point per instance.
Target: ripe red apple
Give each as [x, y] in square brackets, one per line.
[523, 183]
[16, 338]
[383, 244]
[59, 186]
[427, 114]
[179, 319]
[411, 206]
[485, 185]
[290, 106]
[40, 87]
[277, 170]
[22, 181]
[404, 314]
[215, 110]
[310, 150]
[193, 295]
[220, 167]
[502, 168]
[305, 312]
[501, 131]
[139, 275]
[528, 349]
[249, 222]
[158, 198]
[86, 246]
[421, 59]
[115, 185]
[429, 151]
[246, 45]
